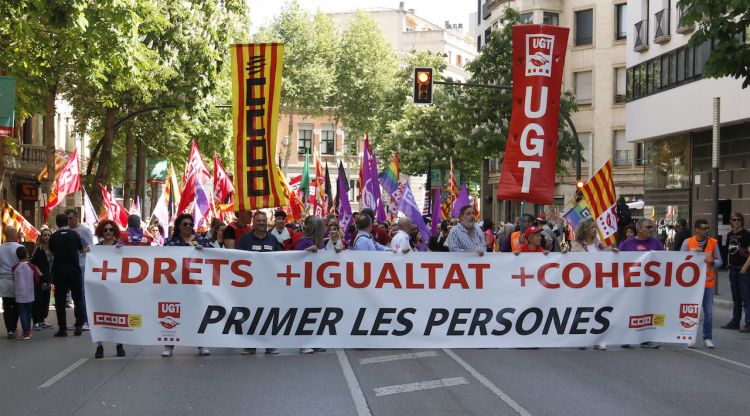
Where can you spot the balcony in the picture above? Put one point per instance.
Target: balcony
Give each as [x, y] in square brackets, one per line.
[27, 159]
[683, 27]
[661, 34]
[641, 36]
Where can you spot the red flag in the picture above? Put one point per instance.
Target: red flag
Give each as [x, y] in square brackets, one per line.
[67, 182]
[223, 186]
[115, 211]
[188, 194]
[528, 172]
[196, 166]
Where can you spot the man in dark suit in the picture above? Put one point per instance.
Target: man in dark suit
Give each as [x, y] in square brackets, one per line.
[437, 242]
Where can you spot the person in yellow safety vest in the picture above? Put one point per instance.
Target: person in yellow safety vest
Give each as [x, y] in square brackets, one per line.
[701, 242]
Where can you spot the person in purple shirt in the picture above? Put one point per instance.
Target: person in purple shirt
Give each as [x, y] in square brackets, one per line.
[643, 240]
[313, 237]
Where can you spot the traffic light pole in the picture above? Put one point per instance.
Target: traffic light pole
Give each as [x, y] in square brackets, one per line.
[565, 115]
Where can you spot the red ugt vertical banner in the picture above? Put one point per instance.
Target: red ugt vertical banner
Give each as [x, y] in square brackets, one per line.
[528, 172]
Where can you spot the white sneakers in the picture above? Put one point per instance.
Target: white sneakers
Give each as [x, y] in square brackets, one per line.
[203, 351]
[709, 343]
[600, 347]
[167, 351]
[306, 351]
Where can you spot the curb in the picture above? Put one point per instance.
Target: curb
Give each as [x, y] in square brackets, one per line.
[723, 303]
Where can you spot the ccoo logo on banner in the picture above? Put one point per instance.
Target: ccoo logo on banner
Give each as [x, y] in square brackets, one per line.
[528, 172]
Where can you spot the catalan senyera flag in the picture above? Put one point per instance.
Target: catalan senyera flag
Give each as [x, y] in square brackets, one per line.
[321, 199]
[61, 158]
[599, 193]
[11, 217]
[256, 92]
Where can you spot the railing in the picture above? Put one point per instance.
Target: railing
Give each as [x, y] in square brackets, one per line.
[641, 36]
[683, 27]
[30, 153]
[661, 34]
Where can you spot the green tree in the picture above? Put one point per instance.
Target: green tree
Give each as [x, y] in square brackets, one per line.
[727, 25]
[308, 77]
[366, 68]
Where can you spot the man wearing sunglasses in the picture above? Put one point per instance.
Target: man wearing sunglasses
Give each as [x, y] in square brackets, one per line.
[700, 242]
[738, 250]
[644, 239]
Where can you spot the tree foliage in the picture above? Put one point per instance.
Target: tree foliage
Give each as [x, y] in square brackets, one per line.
[727, 25]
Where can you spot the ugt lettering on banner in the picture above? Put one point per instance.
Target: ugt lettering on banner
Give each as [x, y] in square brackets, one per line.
[528, 172]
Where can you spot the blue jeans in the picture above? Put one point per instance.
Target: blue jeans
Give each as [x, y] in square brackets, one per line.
[740, 284]
[24, 312]
[708, 312]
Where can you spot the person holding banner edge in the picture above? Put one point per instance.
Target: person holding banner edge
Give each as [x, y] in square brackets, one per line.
[700, 242]
[108, 233]
[467, 236]
[184, 236]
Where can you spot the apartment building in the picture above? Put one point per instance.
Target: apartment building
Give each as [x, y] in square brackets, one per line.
[670, 110]
[595, 71]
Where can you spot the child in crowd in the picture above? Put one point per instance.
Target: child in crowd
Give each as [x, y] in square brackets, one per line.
[25, 277]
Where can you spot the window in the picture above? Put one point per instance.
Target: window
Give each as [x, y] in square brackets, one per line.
[551, 18]
[621, 21]
[459, 61]
[328, 140]
[620, 85]
[487, 34]
[680, 65]
[527, 18]
[583, 88]
[584, 28]
[586, 147]
[479, 43]
[623, 149]
[639, 153]
[304, 139]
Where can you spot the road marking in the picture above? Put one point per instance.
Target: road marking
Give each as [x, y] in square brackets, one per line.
[737, 363]
[487, 383]
[422, 385]
[351, 380]
[63, 373]
[387, 358]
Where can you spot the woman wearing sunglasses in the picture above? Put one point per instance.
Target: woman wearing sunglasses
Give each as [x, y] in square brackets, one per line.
[108, 233]
[185, 236]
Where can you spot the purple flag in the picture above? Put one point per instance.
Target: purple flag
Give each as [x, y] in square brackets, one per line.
[345, 210]
[408, 205]
[461, 201]
[375, 183]
[201, 207]
[436, 213]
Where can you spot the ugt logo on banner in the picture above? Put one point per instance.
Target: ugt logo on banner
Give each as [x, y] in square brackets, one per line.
[528, 172]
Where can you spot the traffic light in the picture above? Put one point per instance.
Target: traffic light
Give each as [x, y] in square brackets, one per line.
[579, 184]
[422, 85]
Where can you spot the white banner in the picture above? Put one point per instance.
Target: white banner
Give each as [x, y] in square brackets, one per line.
[230, 298]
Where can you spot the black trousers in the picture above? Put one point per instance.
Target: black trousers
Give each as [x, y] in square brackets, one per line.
[64, 282]
[10, 314]
[41, 305]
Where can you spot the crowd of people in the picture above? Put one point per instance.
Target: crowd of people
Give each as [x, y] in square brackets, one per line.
[57, 262]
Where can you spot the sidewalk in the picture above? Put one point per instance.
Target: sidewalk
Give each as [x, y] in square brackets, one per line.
[724, 298]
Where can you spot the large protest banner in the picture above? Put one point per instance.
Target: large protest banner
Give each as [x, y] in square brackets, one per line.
[256, 94]
[230, 298]
[529, 163]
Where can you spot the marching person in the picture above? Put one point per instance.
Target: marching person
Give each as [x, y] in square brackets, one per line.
[134, 235]
[42, 259]
[87, 237]
[108, 233]
[25, 275]
[335, 241]
[379, 233]
[66, 245]
[401, 241]
[312, 240]
[533, 244]
[364, 240]
[489, 235]
[738, 257]
[215, 235]
[467, 236]
[238, 228]
[185, 236]
[682, 234]
[643, 241]
[700, 242]
[156, 232]
[437, 242]
[279, 229]
[8, 259]
[259, 240]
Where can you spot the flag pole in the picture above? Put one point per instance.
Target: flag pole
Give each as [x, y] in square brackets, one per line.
[523, 205]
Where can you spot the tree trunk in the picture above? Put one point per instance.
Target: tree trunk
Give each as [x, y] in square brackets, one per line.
[127, 193]
[140, 174]
[105, 156]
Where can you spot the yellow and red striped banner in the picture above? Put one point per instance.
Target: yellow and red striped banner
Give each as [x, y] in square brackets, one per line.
[11, 217]
[601, 198]
[256, 92]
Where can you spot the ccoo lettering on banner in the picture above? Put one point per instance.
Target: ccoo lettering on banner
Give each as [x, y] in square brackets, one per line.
[528, 172]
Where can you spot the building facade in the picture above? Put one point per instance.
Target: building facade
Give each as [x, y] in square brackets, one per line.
[595, 68]
[670, 111]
